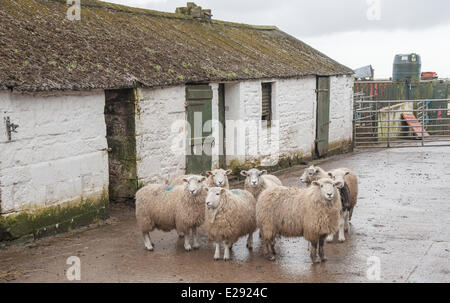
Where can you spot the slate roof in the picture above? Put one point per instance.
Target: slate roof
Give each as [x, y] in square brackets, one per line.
[115, 46]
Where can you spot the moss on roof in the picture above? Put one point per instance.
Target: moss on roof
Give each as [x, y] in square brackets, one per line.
[115, 46]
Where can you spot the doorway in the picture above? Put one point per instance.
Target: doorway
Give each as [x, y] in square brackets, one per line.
[121, 137]
[323, 116]
[199, 140]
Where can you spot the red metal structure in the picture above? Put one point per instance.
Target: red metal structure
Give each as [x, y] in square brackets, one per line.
[416, 127]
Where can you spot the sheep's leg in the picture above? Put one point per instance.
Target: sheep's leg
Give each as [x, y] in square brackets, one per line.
[347, 221]
[195, 236]
[147, 241]
[341, 237]
[250, 241]
[226, 254]
[330, 238]
[270, 249]
[321, 248]
[187, 240]
[217, 252]
[313, 252]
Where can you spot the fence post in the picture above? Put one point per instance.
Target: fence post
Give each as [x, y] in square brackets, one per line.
[389, 125]
[423, 122]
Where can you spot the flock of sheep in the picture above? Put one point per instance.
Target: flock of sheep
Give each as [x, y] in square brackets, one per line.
[315, 213]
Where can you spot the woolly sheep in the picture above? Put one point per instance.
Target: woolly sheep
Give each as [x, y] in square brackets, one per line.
[349, 178]
[312, 213]
[257, 181]
[229, 215]
[175, 207]
[218, 178]
[312, 173]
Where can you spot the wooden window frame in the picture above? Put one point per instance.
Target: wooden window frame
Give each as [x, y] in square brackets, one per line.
[267, 117]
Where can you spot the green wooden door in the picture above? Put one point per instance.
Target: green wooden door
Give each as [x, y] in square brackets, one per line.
[199, 140]
[323, 116]
[222, 151]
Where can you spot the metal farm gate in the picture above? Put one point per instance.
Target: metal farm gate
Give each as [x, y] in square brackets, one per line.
[400, 123]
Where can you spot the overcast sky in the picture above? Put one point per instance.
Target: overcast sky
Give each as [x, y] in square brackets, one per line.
[353, 32]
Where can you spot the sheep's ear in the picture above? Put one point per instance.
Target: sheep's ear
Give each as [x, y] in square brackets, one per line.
[244, 173]
[186, 180]
[263, 172]
[338, 184]
[315, 183]
[203, 179]
[228, 172]
[222, 190]
[209, 173]
[347, 173]
[330, 175]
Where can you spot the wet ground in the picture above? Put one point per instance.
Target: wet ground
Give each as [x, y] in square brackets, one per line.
[402, 219]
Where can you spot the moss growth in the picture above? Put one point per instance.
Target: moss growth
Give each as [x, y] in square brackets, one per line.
[52, 63]
[150, 51]
[340, 147]
[39, 222]
[180, 77]
[157, 68]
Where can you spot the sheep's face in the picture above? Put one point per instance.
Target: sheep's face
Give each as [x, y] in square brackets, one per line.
[219, 176]
[308, 175]
[338, 176]
[328, 188]
[195, 184]
[213, 197]
[253, 176]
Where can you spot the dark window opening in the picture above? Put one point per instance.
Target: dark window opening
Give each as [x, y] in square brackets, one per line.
[266, 102]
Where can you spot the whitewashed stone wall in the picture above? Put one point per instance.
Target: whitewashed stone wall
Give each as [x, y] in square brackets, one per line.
[58, 153]
[341, 109]
[156, 135]
[293, 104]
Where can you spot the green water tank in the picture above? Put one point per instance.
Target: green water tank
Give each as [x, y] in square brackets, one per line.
[407, 68]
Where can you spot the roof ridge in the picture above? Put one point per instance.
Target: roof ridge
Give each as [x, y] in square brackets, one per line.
[150, 12]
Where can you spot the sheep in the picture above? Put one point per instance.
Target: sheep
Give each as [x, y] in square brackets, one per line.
[312, 213]
[175, 207]
[179, 180]
[229, 215]
[257, 181]
[218, 178]
[349, 193]
[350, 181]
[312, 173]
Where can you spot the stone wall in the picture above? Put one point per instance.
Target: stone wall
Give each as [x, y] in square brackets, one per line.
[160, 134]
[57, 157]
[341, 114]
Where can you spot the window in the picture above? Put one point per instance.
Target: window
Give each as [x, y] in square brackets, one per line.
[266, 102]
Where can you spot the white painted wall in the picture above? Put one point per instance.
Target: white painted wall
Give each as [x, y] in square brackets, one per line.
[294, 106]
[59, 151]
[341, 108]
[159, 142]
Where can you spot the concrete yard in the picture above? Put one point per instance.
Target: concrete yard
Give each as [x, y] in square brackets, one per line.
[402, 218]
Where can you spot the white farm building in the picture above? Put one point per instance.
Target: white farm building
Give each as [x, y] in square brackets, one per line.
[91, 108]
